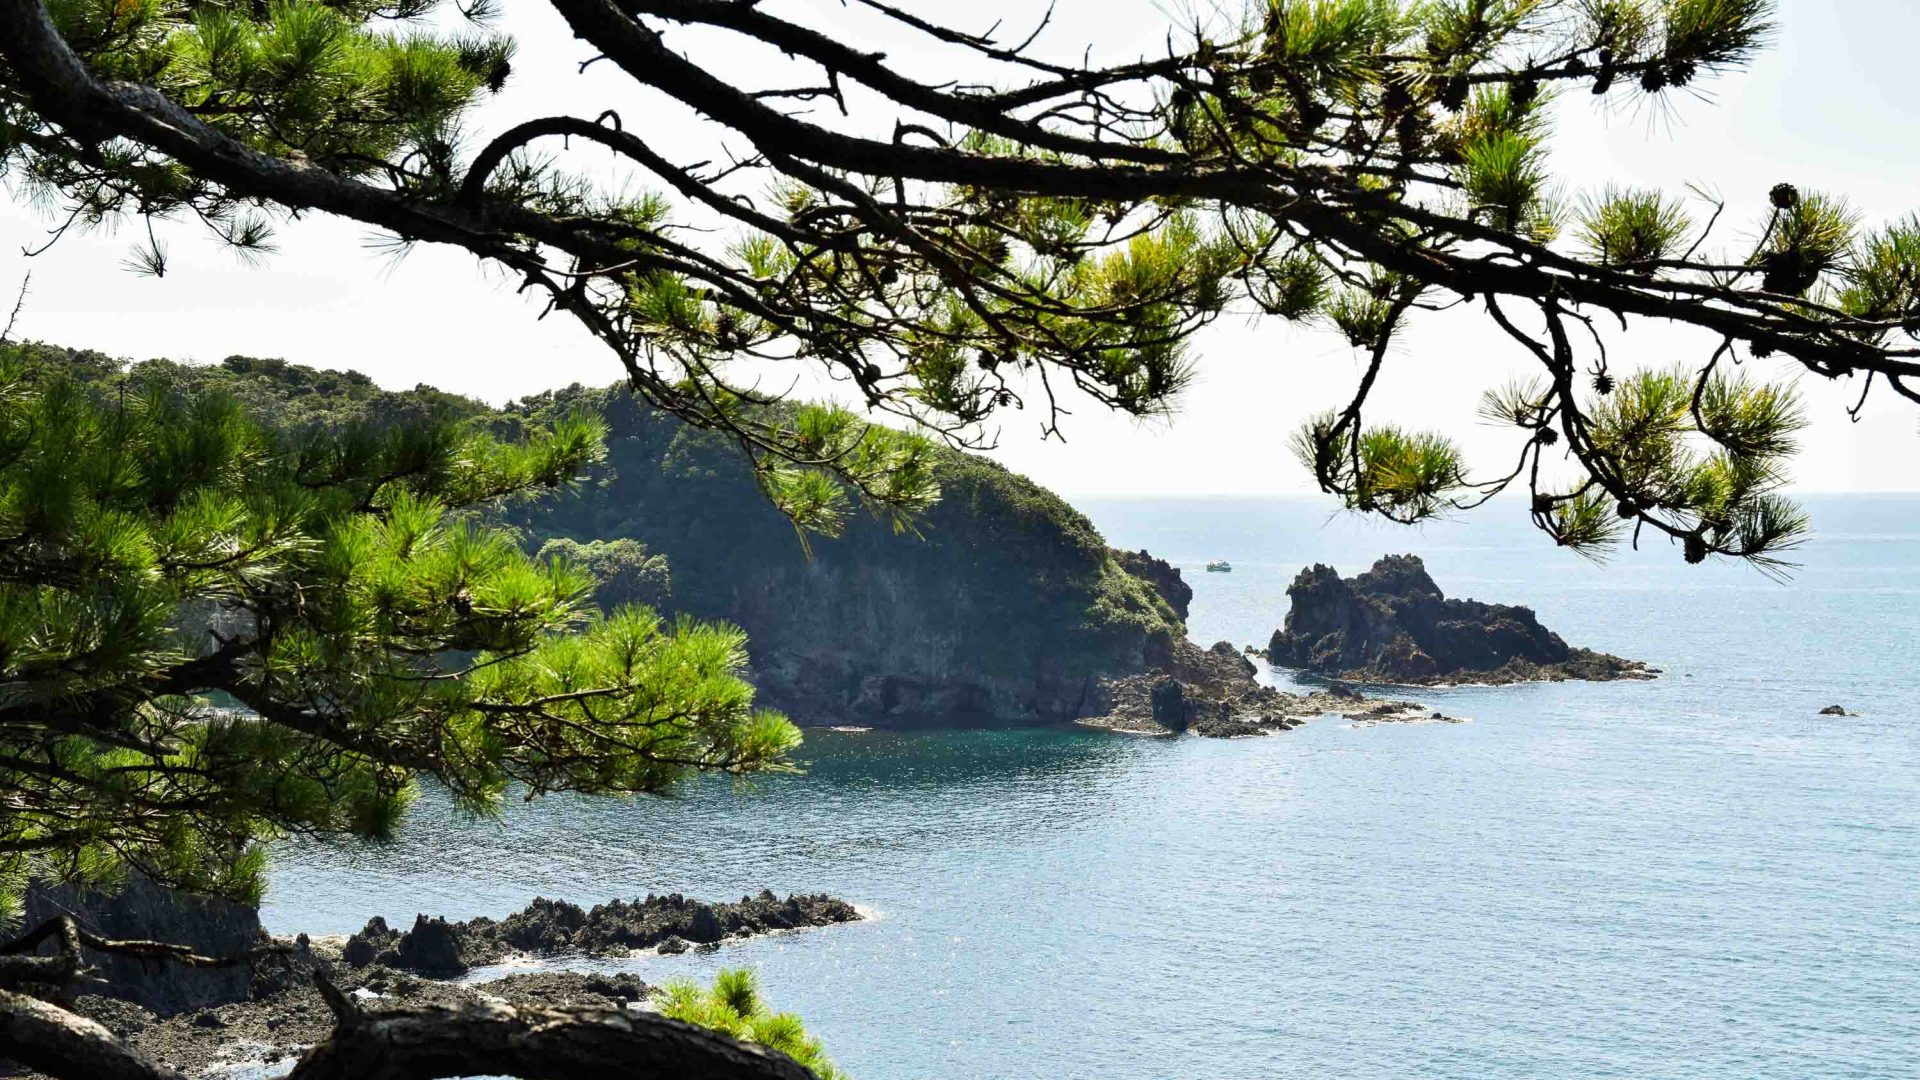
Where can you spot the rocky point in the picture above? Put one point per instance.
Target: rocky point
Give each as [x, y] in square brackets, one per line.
[1392, 624]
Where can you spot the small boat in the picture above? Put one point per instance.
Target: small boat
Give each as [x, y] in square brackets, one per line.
[1219, 566]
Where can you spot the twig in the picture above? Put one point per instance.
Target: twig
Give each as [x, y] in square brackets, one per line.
[19, 302]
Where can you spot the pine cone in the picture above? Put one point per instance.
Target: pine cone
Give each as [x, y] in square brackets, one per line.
[1696, 550]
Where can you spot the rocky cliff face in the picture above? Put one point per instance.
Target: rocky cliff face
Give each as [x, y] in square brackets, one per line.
[141, 910]
[1393, 624]
[1159, 573]
[1007, 607]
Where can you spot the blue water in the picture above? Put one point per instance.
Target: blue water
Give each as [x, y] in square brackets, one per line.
[1695, 877]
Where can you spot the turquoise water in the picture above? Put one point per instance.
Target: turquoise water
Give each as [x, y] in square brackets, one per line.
[1696, 877]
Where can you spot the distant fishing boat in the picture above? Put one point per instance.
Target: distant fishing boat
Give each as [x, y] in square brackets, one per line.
[1219, 566]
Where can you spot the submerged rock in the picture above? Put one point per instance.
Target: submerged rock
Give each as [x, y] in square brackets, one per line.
[1392, 624]
[1835, 710]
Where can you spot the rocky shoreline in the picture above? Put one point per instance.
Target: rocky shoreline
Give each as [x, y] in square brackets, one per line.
[1214, 693]
[546, 928]
[227, 1040]
[214, 1022]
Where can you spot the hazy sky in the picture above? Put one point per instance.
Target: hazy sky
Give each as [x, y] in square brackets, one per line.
[1830, 107]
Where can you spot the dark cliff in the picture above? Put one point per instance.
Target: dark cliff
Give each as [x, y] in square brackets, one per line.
[140, 910]
[1393, 624]
[1162, 575]
[1008, 607]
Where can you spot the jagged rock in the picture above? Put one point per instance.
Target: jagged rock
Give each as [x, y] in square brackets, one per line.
[1170, 704]
[1835, 710]
[1226, 651]
[544, 926]
[432, 947]
[703, 928]
[370, 944]
[1393, 624]
[1159, 573]
[550, 927]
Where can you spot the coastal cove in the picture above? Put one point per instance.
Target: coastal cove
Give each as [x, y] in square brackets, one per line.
[1697, 876]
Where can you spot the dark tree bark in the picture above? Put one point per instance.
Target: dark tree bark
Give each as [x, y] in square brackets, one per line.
[535, 1044]
[67, 1046]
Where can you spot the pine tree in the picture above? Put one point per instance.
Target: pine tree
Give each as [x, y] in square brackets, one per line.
[958, 249]
[213, 634]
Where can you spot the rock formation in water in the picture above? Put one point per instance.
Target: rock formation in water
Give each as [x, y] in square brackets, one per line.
[1216, 693]
[434, 946]
[1392, 624]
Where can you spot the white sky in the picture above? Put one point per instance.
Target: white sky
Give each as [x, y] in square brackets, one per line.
[1829, 107]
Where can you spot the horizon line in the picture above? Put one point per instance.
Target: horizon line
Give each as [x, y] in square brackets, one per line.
[1069, 493]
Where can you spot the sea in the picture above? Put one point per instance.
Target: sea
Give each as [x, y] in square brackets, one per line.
[1695, 877]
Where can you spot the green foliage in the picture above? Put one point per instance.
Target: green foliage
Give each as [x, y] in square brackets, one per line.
[734, 1005]
[1293, 287]
[1702, 456]
[1364, 316]
[1505, 177]
[1332, 44]
[1587, 523]
[624, 572]
[1809, 238]
[1632, 228]
[1406, 476]
[1715, 32]
[1519, 403]
[1009, 246]
[323, 81]
[159, 548]
[1884, 287]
